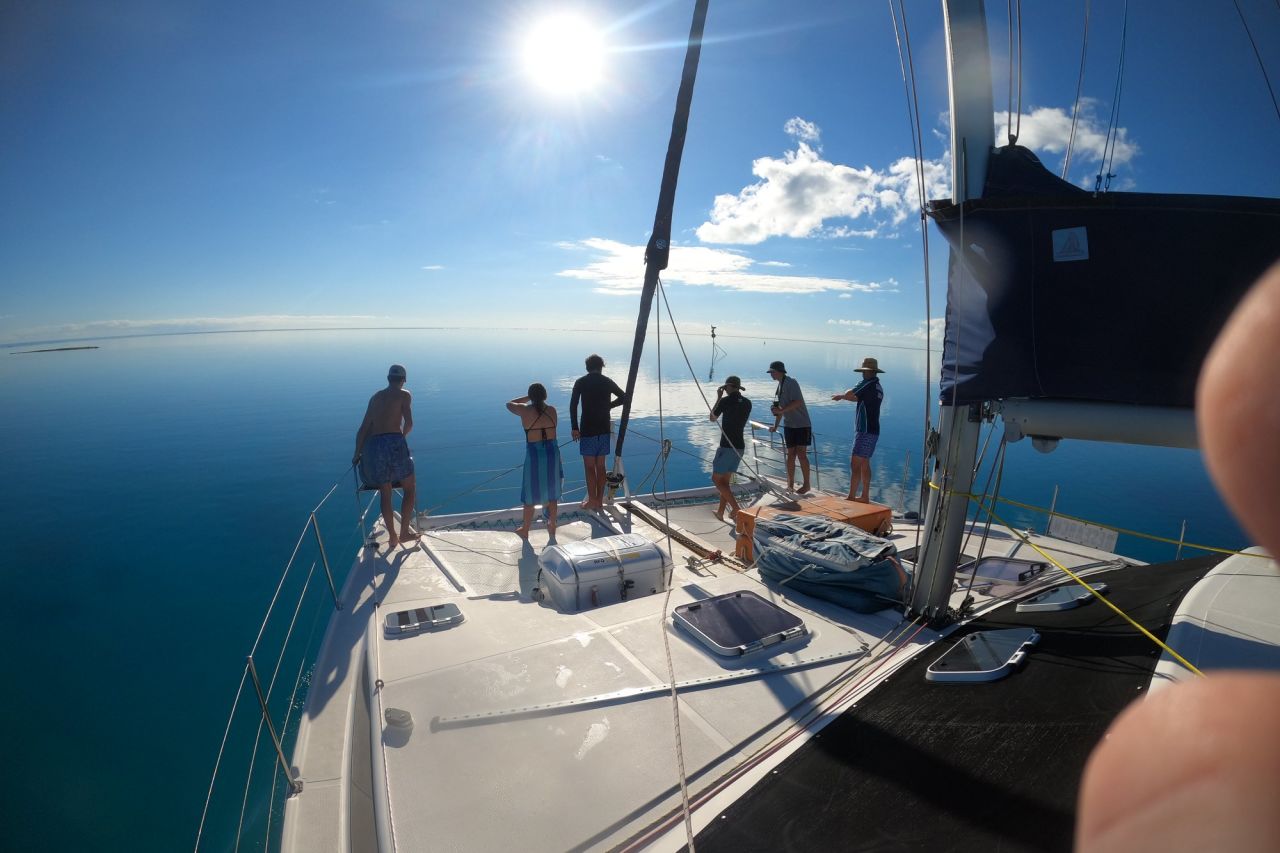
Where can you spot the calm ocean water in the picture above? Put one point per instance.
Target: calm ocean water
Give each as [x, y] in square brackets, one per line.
[158, 486]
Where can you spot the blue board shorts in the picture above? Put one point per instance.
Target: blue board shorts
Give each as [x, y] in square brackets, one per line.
[594, 445]
[542, 473]
[797, 436]
[864, 444]
[385, 459]
[726, 461]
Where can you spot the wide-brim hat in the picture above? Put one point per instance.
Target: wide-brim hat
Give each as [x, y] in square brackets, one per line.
[869, 365]
[733, 382]
[778, 366]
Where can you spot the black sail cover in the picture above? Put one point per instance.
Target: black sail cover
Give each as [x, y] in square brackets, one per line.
[1054, 292]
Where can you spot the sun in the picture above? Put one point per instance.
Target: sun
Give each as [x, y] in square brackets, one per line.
[564, 55]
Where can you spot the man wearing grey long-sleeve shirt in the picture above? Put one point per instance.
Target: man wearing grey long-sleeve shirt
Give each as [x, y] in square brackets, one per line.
[797, 433]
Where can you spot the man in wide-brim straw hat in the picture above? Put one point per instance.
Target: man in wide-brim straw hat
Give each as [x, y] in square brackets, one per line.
[866, 432]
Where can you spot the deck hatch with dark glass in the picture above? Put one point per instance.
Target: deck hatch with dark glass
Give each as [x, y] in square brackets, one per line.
[737, 623]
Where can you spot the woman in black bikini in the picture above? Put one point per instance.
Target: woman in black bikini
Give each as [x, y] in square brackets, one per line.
[542, 468]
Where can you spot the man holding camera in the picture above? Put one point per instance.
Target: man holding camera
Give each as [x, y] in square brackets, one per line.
[797, 432]
[736, 410]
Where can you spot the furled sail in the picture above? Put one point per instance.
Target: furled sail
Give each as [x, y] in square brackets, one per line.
[1056, 292]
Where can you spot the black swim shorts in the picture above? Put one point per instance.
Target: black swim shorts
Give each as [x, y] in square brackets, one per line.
[797, 436]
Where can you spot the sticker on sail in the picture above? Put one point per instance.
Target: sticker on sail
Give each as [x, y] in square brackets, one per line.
[1070, 244]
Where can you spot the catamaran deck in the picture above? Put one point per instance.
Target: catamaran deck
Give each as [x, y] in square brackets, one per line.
[524, 726]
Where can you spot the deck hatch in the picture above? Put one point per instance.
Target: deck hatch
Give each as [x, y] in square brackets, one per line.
[1002, 570]
[983, 656]
[1066, 597]
[738, 623]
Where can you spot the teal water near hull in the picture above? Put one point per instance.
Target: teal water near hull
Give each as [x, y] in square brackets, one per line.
[159, 485]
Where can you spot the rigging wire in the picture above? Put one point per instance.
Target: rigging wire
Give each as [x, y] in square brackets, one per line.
[1254, 45]
[662, 293]
[1113, 123]
[1075, 109]
[1015, 73]
[997, 467]
[913, 120]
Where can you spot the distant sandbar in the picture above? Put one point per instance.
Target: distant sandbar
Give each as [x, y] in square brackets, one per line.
[52, 349]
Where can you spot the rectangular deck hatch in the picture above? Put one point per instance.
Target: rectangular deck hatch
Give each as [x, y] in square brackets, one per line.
[983, 656]
[737, 623]
[1001, 570]
[423, 619]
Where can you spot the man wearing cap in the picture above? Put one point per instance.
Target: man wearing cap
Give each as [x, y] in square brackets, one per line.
[383, 454]
[866, 432]
[797, 432]
[736, 410]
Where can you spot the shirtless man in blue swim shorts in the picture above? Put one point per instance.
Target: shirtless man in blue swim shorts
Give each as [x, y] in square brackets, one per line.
[383, 454]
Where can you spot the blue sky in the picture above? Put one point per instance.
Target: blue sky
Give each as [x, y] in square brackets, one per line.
[176, 166]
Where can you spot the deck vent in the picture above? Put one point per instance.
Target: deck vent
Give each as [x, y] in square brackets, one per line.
[738, 623]
[983, 656]
[420, 619]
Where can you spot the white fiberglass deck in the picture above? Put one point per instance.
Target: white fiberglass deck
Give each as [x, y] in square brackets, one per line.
[535, 729]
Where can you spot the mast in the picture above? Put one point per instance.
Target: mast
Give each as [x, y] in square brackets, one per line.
[658, 251]
[972, 137]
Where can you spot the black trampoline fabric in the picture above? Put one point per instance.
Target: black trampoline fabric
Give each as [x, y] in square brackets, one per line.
[952, 767]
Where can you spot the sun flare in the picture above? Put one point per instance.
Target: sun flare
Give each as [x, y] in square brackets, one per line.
[564, 55]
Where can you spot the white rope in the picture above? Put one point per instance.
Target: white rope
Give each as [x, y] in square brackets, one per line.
[666, 606]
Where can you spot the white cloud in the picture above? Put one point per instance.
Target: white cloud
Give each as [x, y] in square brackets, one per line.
[801, 194]
[618, 269]
[434, 267]
[806, 131]
[861, 324]
[1048, 129]
[774, 264]
[798, 194]
[845, 296]
[936, 326]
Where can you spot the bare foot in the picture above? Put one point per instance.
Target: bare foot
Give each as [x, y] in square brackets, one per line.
[392, 543]
[733, 513]
[409, 536]
[719, 515]
[523, 533]
[803, 489]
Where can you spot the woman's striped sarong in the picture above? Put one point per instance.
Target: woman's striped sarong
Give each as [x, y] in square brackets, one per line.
[542, 473]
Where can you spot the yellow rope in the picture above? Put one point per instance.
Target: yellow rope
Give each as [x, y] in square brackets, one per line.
[1027, 540]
